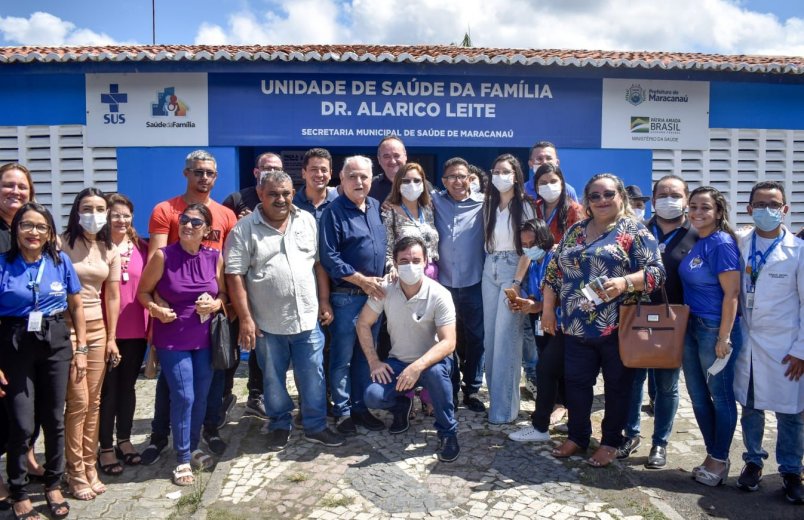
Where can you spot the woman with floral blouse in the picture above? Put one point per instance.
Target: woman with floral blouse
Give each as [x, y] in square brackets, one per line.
[612, 244]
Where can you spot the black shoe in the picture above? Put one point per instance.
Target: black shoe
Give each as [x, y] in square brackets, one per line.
[151, 454]
[213, 441]
[255, 407]
[793, 490]
[657, 458]
[226, 408]
[367, 421]
[474, 404]
[278, 439]
[346, 426]
[326, 437]
[401, 415]
[750, 477]
[629, 446]
[448, 449]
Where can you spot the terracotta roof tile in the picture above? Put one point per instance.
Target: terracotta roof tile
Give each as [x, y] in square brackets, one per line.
[409, 54]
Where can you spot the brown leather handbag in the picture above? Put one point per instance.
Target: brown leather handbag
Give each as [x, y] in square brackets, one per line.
[652, 335]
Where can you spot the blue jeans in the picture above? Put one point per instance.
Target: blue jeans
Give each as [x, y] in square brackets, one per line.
[306, 350]
[665, 403]
[188, 374]
[349, 373]
[436, 380]
[712, 397]
[530, 354]
[583, 360]
[789, 440]
[503, 338]
[469, 348]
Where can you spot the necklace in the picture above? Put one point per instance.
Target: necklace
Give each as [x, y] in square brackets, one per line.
[125, 258]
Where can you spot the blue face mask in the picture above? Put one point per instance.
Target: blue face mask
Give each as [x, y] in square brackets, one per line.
[535, 253]
[767, 219]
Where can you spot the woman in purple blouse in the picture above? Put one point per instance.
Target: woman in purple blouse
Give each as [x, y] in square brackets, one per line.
[189, 279]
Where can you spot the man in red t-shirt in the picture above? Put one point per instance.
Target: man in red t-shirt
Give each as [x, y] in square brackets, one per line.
[200, 170]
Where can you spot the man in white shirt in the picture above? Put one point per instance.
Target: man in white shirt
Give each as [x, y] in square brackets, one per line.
[421, 323]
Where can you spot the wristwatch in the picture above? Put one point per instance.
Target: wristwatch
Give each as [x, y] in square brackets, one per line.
[629, 285]
[82, 350]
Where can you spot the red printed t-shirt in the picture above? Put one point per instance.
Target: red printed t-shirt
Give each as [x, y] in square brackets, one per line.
[165, 221]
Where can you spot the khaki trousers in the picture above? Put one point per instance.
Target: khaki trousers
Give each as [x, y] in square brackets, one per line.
[83, 406]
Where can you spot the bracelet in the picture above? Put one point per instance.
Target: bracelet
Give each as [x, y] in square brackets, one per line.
[81, 350]
[516, 282]
[727, 341]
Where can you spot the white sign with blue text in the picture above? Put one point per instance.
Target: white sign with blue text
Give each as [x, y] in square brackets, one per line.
[147, 109]
[655, 114]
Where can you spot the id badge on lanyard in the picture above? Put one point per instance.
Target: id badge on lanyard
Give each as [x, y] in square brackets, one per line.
[749, 298]
[35, 317]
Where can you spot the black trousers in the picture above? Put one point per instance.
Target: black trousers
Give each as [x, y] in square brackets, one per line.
[549, 379]
[583, 360]
[118, 396]
[37, 367]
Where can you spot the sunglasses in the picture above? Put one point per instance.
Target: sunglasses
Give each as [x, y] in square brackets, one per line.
[596, 196]
[193, 221]
[204, 173]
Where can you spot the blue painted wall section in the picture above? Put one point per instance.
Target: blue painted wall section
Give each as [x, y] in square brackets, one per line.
[42, 99]
[756, 105]
[150, 175]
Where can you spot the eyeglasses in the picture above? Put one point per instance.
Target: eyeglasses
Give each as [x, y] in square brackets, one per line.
[198, 172]
[414, 181]
[764, 205]
[30, 226]
[596, 196]
[502, 172]
[194, 221]
[120, 216]
[455, 177]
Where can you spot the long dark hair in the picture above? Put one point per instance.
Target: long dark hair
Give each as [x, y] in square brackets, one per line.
[721, 205]
[563, 203]
[50, 248]
[74, 229]
[515, 207]
[544, 237]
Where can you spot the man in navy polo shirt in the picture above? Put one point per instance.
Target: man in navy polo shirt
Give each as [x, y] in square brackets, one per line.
[352, 246]
[317, 193]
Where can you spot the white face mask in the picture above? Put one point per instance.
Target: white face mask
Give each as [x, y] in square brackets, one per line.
[639, 213]
[410, 274]
[669, 208]
[503, 183]
[412, 191]
[92, 222]
[474, 187]
[550, 192]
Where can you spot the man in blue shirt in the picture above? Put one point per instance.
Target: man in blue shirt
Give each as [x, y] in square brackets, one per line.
[316, 194]
[352, 246]
[459, 221]
[544, 152]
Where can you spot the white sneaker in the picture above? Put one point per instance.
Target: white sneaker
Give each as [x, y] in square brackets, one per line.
[529, 434]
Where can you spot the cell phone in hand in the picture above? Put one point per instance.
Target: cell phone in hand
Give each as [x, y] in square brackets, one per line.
[511, 294]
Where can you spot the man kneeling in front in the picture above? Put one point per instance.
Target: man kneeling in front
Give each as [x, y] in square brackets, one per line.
[421, 323]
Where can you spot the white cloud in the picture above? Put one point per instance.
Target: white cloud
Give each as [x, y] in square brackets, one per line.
[719, 26]
[45, 29]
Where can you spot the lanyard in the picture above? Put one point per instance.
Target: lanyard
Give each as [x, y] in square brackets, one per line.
[421, 214]
[552, 216]
[33, 285]
[755, 267]
[667, 238]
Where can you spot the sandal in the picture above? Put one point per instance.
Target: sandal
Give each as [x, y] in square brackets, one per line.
[55, 507]
[33, 514]
[97, 486]
[566, 450]
[200, 460]
[114, 469]
[183, 475]
[130, 459]
[80, 489]
[602, 457]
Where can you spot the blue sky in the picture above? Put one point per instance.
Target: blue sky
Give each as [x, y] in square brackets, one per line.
[720, 26]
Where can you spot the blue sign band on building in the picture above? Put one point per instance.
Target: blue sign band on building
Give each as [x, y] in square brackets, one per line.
[358, 110]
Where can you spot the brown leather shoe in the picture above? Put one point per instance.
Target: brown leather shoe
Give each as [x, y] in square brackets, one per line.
[568, 449]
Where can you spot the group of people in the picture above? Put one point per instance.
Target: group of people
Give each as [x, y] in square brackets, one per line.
[377, 290]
